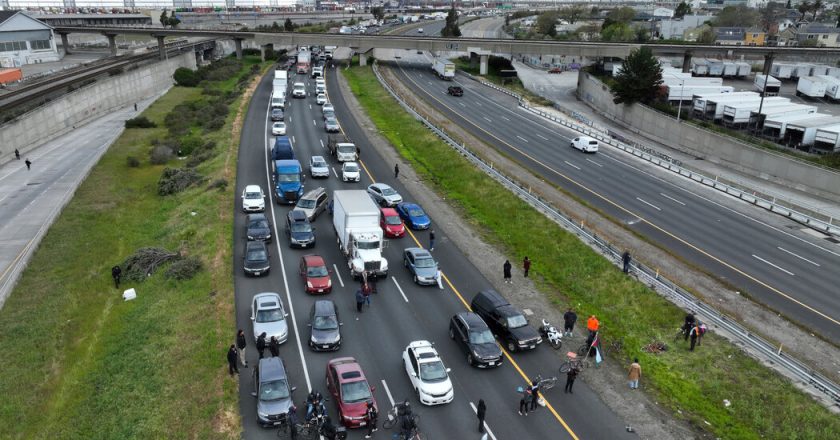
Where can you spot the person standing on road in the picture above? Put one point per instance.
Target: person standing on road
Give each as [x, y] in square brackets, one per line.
[396, 170]
[535, 394]
[28, 164]
[526, 266]
[241, 344]
[291, 417]
[625, 261]
[274, 347]
[634, 374]
[480, 412]
[261, 345]
[231, 358]
[525, 400]
[570, 380]
[506, 270]
[17, 154]
[370, 417]
[431, 240]
[569, 320]
[360, 300]
[116, 273]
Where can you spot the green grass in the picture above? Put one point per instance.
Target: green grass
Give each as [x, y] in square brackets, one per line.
[81, 363]
[691, 384]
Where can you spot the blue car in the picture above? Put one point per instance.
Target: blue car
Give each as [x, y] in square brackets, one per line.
[413, 216]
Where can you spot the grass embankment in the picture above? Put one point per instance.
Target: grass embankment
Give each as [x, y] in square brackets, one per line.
[763, 404]
[495, 64]
[79, 362]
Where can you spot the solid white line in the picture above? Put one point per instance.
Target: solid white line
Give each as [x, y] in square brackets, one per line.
[522, 138]
[336, 174]
[293, 139]
[322, 143]
[538, 135]
[671, 198]
[506, 119]
[289, 303]
[649, 204]
[313, 123]
[462, 104]
[571, 165]
[310, 106]
[487, 119]
[590, 160]
[399, 288]
[338, 274]
[478, 104]
[290, 119]
[797, 256]
[388, 392]
[486, 425]
[771, 264]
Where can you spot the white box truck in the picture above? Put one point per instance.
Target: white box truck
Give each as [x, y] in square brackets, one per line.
[811, 86]
[730, 69]
[767, 85]
[744, 69]
[356, 223]
[832, 86]
[828, 139]
[686, 93]
[444, 69]
[782, 70]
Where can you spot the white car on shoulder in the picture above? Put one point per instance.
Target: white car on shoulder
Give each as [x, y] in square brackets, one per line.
[585, 144]
[321, 99]
[278, 129]
[253, 199]
[428, 376]
[350, 172]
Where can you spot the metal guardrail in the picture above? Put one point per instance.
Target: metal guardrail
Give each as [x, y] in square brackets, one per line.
[648, 275]
[669, 163]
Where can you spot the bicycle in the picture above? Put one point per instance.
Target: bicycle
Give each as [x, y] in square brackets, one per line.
[573, 361]
[393, 415]
[414, 435]
[680, 334]
[546, 384]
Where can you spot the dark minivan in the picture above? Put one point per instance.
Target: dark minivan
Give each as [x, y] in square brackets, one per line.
[273, 392]
[505, 320]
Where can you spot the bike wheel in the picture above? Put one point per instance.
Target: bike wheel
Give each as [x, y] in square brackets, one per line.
[548, 384]
[565, 367]
[582, 350]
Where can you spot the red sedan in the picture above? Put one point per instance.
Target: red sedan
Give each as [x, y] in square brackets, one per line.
[315, 274]
[350, 390]
[391, 223]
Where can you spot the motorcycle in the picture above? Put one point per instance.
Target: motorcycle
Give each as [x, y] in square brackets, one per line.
[551, 334]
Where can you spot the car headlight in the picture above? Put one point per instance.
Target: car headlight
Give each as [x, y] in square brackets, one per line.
[250, 237]
[309, 284]
[262, 414]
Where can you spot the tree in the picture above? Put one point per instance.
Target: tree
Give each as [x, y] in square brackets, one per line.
[816, 7]
[618, 32]
[769, 16]
[682, 10]
[639, 79]
[707, 36]
[451, 29]
[803, 9]
[164, 18]
[547, 23]
[378, 12]
[174, 21]
[288, 25]
[624, 14]
[572, 13]
[736, 16]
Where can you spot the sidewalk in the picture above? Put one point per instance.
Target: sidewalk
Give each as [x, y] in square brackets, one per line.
[561, 88]
[31, 200]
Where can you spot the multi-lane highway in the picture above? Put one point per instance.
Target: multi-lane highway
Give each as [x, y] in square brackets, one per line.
[784, 267]
[400, 312]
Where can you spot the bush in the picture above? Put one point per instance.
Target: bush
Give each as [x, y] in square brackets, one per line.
[189, 144]
[251, 51]
[132, 162]
[175, 180]
[140, 122]
[220, 184]
[186, 78]
[161, 154]
[144, 262]
[183, 269]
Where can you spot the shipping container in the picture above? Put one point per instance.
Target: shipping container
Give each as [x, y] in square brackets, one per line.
[699, 67]
[10, 75]
[802, 69]
[744, 69]
[819, 69]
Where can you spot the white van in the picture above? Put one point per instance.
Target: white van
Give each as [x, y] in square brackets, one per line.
[299, 90]
[278, 101]
[585, 144]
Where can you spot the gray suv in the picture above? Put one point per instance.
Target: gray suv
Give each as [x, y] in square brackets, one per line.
[273, 392]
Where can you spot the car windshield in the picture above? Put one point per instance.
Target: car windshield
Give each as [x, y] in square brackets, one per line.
[516, 321]
[393, 220]
[351, 168]
[319, 163]
[352, 392]
[306, 203]
[416, 212]
[432, 371]
[346, 149]
[280, 125]
[481, 337]
[301, 227]
[424, 262]
[288, 177]
[325, 323]
[259, 224]
[367, 245]
[253, 195]
[257, 255]
[316, 271]
[269, 315]
[274, 390]
[388, 191]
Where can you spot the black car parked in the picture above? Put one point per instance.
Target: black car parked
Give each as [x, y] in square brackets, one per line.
[256, 258]
[470, 332]
[455, 91]
[258, 228]
[505, 320]
[324, 326]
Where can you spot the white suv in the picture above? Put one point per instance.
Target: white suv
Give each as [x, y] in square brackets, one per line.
[428, 376]
[299, 90]
[253, 199]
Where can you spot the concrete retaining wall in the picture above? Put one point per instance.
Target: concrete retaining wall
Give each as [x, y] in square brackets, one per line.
[61, 115]
[709, 145]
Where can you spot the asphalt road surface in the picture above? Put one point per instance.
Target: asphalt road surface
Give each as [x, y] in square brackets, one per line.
[786, 268]
[401, 311]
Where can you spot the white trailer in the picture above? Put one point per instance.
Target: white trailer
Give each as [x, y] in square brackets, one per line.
[803, 69]
[689, 82]
[767, 85]
[744, 69]
[281, 74]
[737, 113]
[356, 224]
[730, 69]
[819, 69]
[686, 93]
[782, 70]
[811, 86]
[710, 106]
[828, 138]
[444, 69]
[804, 132]
[832, 86]
[776, 125]
[715, 67]
[769, 111]
[834, 71]
[700, 67]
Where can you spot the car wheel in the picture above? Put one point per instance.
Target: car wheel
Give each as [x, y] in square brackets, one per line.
[470, 359]
[415, 279]
[452, 334]
[417, 393]
[511, 346]
[405, 262]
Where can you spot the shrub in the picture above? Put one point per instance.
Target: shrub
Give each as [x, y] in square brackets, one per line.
[175, 180]
[214, 124]
[161, 154]
[144, 262]
[132, 162]
[189, 144]
[251, 51]
[183, 269]
[140, 122]
[186, 78]
[220, 184]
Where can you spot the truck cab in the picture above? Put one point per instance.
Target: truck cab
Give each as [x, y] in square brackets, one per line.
[366, 255]
[342, 149]
[288, 181]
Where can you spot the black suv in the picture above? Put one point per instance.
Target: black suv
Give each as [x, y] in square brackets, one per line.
[301, 233]
[505, 320]
[455, 91]
[470, 332]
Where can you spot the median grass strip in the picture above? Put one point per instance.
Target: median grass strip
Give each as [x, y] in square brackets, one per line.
[81, 363]
[694, 385]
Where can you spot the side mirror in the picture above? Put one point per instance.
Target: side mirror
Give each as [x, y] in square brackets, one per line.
[253, 394]
[448, 370]
[286, 315]
[372, 389]
[309, 325]
[293, 389]
[340, 323]
[252, 318]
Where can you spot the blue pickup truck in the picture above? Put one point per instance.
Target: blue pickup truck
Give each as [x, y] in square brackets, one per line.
[288, 181]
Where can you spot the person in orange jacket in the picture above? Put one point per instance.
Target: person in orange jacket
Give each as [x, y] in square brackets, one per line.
[592, 324]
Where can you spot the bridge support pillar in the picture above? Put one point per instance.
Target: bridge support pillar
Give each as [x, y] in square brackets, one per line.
[482, 68]
[686, 66]
[112, 44]
[65, 43]
[264, 48]
[238, 43]
[768, 63]
[363, 56]
[473, 60]
[161, 47]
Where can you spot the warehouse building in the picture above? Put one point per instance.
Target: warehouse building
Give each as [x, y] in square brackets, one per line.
[25, 40]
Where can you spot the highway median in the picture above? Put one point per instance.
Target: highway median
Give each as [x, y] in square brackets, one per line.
[716, 388]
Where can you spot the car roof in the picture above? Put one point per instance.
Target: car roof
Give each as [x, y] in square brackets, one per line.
[472, 320]
[257, 216]
[253, 188]
[265, 298]
[347, 369]
[272, 368]
[297, 216]
[313, 260]
[388, 211]
[380, 185]
[349, 163]
[256, 244]
[314, 193]
[419, 252]
[324, 307]
[495, 298]
[318, 157]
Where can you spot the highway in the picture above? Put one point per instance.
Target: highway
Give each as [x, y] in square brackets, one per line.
[782, 267]
[401, 311]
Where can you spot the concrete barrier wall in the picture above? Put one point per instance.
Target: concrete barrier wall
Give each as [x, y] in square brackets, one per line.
[709, 145]
[76, 108]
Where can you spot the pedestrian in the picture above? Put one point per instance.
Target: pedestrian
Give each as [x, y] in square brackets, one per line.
[693, 335]
[688, 324]
[526, 266]
[625, 261]
[28, 164]
[231, 358]
[135, 106]
[592, 324]
[506, 270]
[396, 170]
[291, 417]
[17, 154]
[360, 300]
[370, 417]
[431, 239]
[116, 273]
[358, 153]
[535, 394]
[241, 344]
[701, 330]
[439, 277]
[570, 380]
[525, 400]
[261, 344]
[480, 412]
[274, 347]
[569, 320]
[634, 374]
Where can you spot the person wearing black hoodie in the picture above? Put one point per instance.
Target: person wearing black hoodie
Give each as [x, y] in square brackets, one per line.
[241, 344]
[261, 345]
[274, 347]
[231, 358]
[569, 320]
[506, 271]
[480, 412]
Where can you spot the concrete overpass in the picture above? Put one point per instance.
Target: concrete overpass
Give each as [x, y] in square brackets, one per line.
[482, 47]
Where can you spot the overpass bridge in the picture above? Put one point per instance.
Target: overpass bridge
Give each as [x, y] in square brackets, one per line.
[482, 47]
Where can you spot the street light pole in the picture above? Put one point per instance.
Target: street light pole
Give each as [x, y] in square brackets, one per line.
[679, 109]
